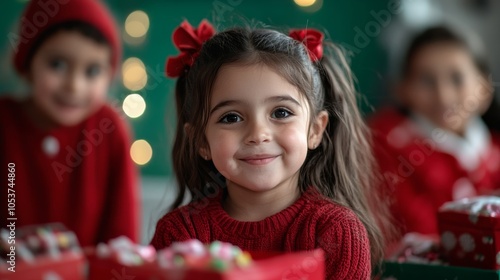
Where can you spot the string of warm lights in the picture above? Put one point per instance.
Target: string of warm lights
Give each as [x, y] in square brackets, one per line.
[135, 78]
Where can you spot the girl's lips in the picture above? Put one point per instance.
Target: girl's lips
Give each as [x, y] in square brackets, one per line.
[68, 106]
[259, 159]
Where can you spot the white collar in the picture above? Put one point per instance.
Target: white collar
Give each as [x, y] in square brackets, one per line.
[468, 150]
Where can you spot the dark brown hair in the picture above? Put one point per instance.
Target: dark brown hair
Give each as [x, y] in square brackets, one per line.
[340, 168]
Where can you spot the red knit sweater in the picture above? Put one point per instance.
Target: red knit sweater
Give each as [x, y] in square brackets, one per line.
[311, 222]
[88, 182]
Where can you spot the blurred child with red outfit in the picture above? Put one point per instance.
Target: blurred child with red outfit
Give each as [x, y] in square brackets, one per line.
[435, 148]
[69, 148]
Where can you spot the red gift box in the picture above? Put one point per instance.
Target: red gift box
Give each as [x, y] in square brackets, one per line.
[41, 252]
[266, 266]
[68, 266]
[470, 232]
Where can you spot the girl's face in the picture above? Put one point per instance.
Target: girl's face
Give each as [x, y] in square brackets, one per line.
[258, 129]
[69, 75]
[444, 85]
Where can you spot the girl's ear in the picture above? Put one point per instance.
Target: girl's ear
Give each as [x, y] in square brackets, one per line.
[317, 129]
[204, 152]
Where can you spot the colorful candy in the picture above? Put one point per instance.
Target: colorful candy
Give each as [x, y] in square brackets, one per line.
[50, 240]
[126, 252]
[192, 254]
[218, 256]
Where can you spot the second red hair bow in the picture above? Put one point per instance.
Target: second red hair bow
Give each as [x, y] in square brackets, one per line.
[189, 41]
[312, 39]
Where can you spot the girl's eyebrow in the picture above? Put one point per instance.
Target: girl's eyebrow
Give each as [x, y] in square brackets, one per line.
[270, 99]
[223, 104]
[283, 98]
[55, 54]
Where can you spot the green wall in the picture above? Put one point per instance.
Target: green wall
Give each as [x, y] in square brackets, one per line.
[339, 17]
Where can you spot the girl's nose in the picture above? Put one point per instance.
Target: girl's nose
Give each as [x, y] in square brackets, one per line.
[258, 132]
[75, 83]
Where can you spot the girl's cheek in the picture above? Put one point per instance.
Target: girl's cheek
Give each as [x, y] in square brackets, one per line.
[225, 144]
[230, 142]
[293, 137]
[472, 101]
[45, 85]
[98, 93]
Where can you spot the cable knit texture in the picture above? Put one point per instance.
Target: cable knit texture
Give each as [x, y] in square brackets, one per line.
[311, 222]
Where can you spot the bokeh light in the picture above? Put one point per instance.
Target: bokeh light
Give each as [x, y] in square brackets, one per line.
[134, 74]
[305, 3]
[134, 105]
[141, 152]
[137, 24]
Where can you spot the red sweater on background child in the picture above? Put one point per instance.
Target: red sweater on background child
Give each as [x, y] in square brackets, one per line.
[424, 166]
[70, 149]
[79, 175]
[311, 222]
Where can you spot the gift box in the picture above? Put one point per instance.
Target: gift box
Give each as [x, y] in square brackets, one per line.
[40, 253]
[470, 232]
[264, 266]
[267, 266]
[414, 271]
[68, 266]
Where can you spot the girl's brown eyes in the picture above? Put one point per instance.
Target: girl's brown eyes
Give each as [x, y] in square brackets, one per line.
[281, 113]
[230, 118]
[92, 71]
[60, 65]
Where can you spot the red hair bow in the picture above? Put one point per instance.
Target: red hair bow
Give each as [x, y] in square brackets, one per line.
[189, 41]
[312, 39]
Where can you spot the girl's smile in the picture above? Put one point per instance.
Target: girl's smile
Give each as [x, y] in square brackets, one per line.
[69, 105]
[259, 159]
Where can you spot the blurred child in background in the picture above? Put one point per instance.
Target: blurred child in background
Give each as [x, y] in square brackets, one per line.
[70, 149]
[435, 148]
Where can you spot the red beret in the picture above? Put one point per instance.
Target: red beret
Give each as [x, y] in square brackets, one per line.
[40, 15]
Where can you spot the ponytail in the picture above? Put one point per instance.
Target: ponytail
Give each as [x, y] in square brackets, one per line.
[342, 166]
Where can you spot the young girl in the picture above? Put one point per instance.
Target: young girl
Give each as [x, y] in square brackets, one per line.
[68, 150]
[271, 146]
[435, 148]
